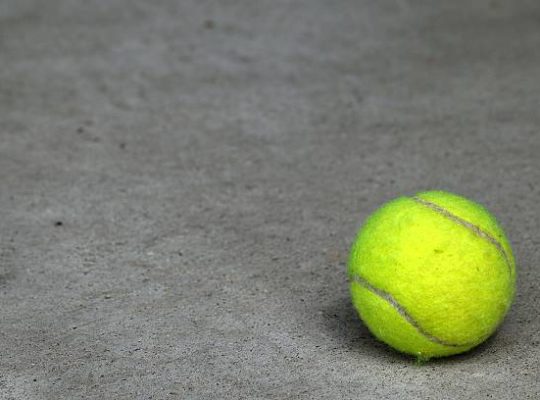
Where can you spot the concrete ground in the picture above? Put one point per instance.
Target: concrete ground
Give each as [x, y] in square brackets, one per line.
[180, 183]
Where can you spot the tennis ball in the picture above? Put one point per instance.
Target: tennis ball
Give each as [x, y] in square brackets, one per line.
[432, 275]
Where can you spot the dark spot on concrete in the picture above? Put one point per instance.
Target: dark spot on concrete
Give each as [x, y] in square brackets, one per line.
[122, 145]
[80, 129]
[209, 24]
[58, 223]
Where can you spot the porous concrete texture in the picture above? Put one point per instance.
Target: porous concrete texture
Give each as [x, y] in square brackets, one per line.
[180, 183]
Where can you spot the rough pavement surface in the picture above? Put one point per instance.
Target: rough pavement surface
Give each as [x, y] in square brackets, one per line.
[180, 183]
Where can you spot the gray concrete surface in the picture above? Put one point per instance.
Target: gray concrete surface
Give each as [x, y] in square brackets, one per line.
[180, 182]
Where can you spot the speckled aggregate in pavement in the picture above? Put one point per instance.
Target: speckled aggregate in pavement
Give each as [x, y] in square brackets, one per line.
[180, 182]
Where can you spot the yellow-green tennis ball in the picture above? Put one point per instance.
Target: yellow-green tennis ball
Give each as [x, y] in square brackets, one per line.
[432, 275]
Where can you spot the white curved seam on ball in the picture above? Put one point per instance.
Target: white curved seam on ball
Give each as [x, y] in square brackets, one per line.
[404, 313]
[474, 228]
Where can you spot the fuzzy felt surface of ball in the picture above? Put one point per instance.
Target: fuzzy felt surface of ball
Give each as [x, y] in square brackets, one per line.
[432, 275]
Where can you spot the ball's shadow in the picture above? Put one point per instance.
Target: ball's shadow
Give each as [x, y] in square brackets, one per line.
[347, 329]
[345, 326]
